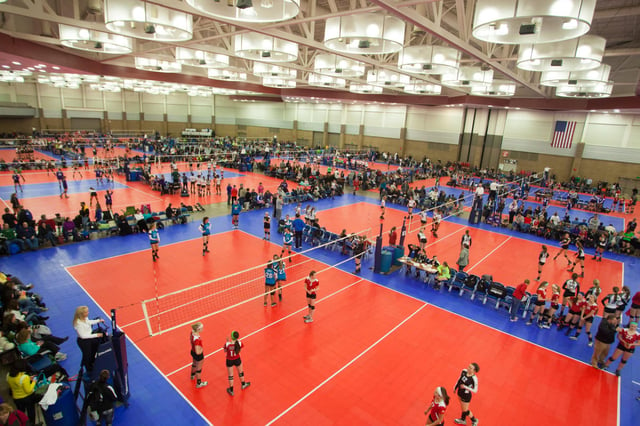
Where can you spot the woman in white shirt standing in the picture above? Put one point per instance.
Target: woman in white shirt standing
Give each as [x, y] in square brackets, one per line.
[88, 341]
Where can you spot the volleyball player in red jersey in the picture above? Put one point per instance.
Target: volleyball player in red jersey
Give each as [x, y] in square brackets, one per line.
[628, 339]
[197, 354]
[589, 312]
[538, 309]
[576, 304]
[437, 408]
[232, 350]
[555, 298]
[311, 284]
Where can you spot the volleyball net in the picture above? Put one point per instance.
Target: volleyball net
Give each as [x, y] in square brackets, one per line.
[181, 308]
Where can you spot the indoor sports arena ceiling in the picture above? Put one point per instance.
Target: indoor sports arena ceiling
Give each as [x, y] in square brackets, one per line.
[342, 34]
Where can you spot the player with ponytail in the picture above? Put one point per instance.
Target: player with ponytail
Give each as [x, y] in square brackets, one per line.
[232, 348]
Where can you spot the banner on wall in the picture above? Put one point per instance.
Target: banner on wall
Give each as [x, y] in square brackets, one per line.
[563, 134]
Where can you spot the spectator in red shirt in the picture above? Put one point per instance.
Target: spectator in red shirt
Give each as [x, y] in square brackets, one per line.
[516, 299]
[393, 236]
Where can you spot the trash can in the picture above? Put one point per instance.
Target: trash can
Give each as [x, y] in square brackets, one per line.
[385, 261]
[64, 412]
[397, 254]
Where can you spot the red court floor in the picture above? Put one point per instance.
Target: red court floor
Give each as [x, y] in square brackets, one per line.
[367, 359]
[510, 259]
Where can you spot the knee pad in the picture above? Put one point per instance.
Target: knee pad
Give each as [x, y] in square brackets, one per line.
[623, 361]
[230, 378]
[272, 292]
[611, 359]
[309, 306]
[199, 371]
[312, 307]
[241, 374]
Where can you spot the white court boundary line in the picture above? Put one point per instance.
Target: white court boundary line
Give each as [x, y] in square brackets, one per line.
[344, 367]
[489, 254]
[144, 355]
[272, 323]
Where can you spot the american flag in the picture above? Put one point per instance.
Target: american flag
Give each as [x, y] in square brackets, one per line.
[563, 135]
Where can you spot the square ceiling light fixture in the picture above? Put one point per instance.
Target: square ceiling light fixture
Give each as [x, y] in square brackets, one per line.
[531, 21]
[139, 19]
[365, 34]
[249, 11]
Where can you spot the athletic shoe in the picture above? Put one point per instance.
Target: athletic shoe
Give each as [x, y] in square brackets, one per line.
[590, 343]
[305, 317]
[546, 326]
[265, 303]
[573, 337]
[60, 356]
[246, 385]
[460, 421]
[273, 304]
[618, 373]
[538, 279]
[513, 319]
[201, 385]
[308, 320]
[475, 422]
[529, 323]
[230, 391]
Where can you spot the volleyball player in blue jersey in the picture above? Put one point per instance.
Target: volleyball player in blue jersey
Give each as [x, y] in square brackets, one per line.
[154, 239]
[270, 278]
[287, 240]
[236, 207]
[281, 274]
[205, 230]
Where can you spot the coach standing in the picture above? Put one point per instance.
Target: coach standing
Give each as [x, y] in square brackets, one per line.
[605, 336]
[298, 226]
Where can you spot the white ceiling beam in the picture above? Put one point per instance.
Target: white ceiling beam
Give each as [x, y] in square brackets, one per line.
[462, 22]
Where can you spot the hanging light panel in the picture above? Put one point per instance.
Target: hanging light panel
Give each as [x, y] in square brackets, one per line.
[199, 58]
[226, 74]
[495, 88]
[387, 78]
[276, 71]
[558, 78]
[467, 77]
[531, 21]
[94, 41]
[581, 53]
[157, 65]
[249, 10]
[428, 60]
[364, 88]
[279, 83]
[327, 81]
[137, 18]
[601, 89]
[422, 88]
[366, 34]
[264, 48]
[337, 66]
